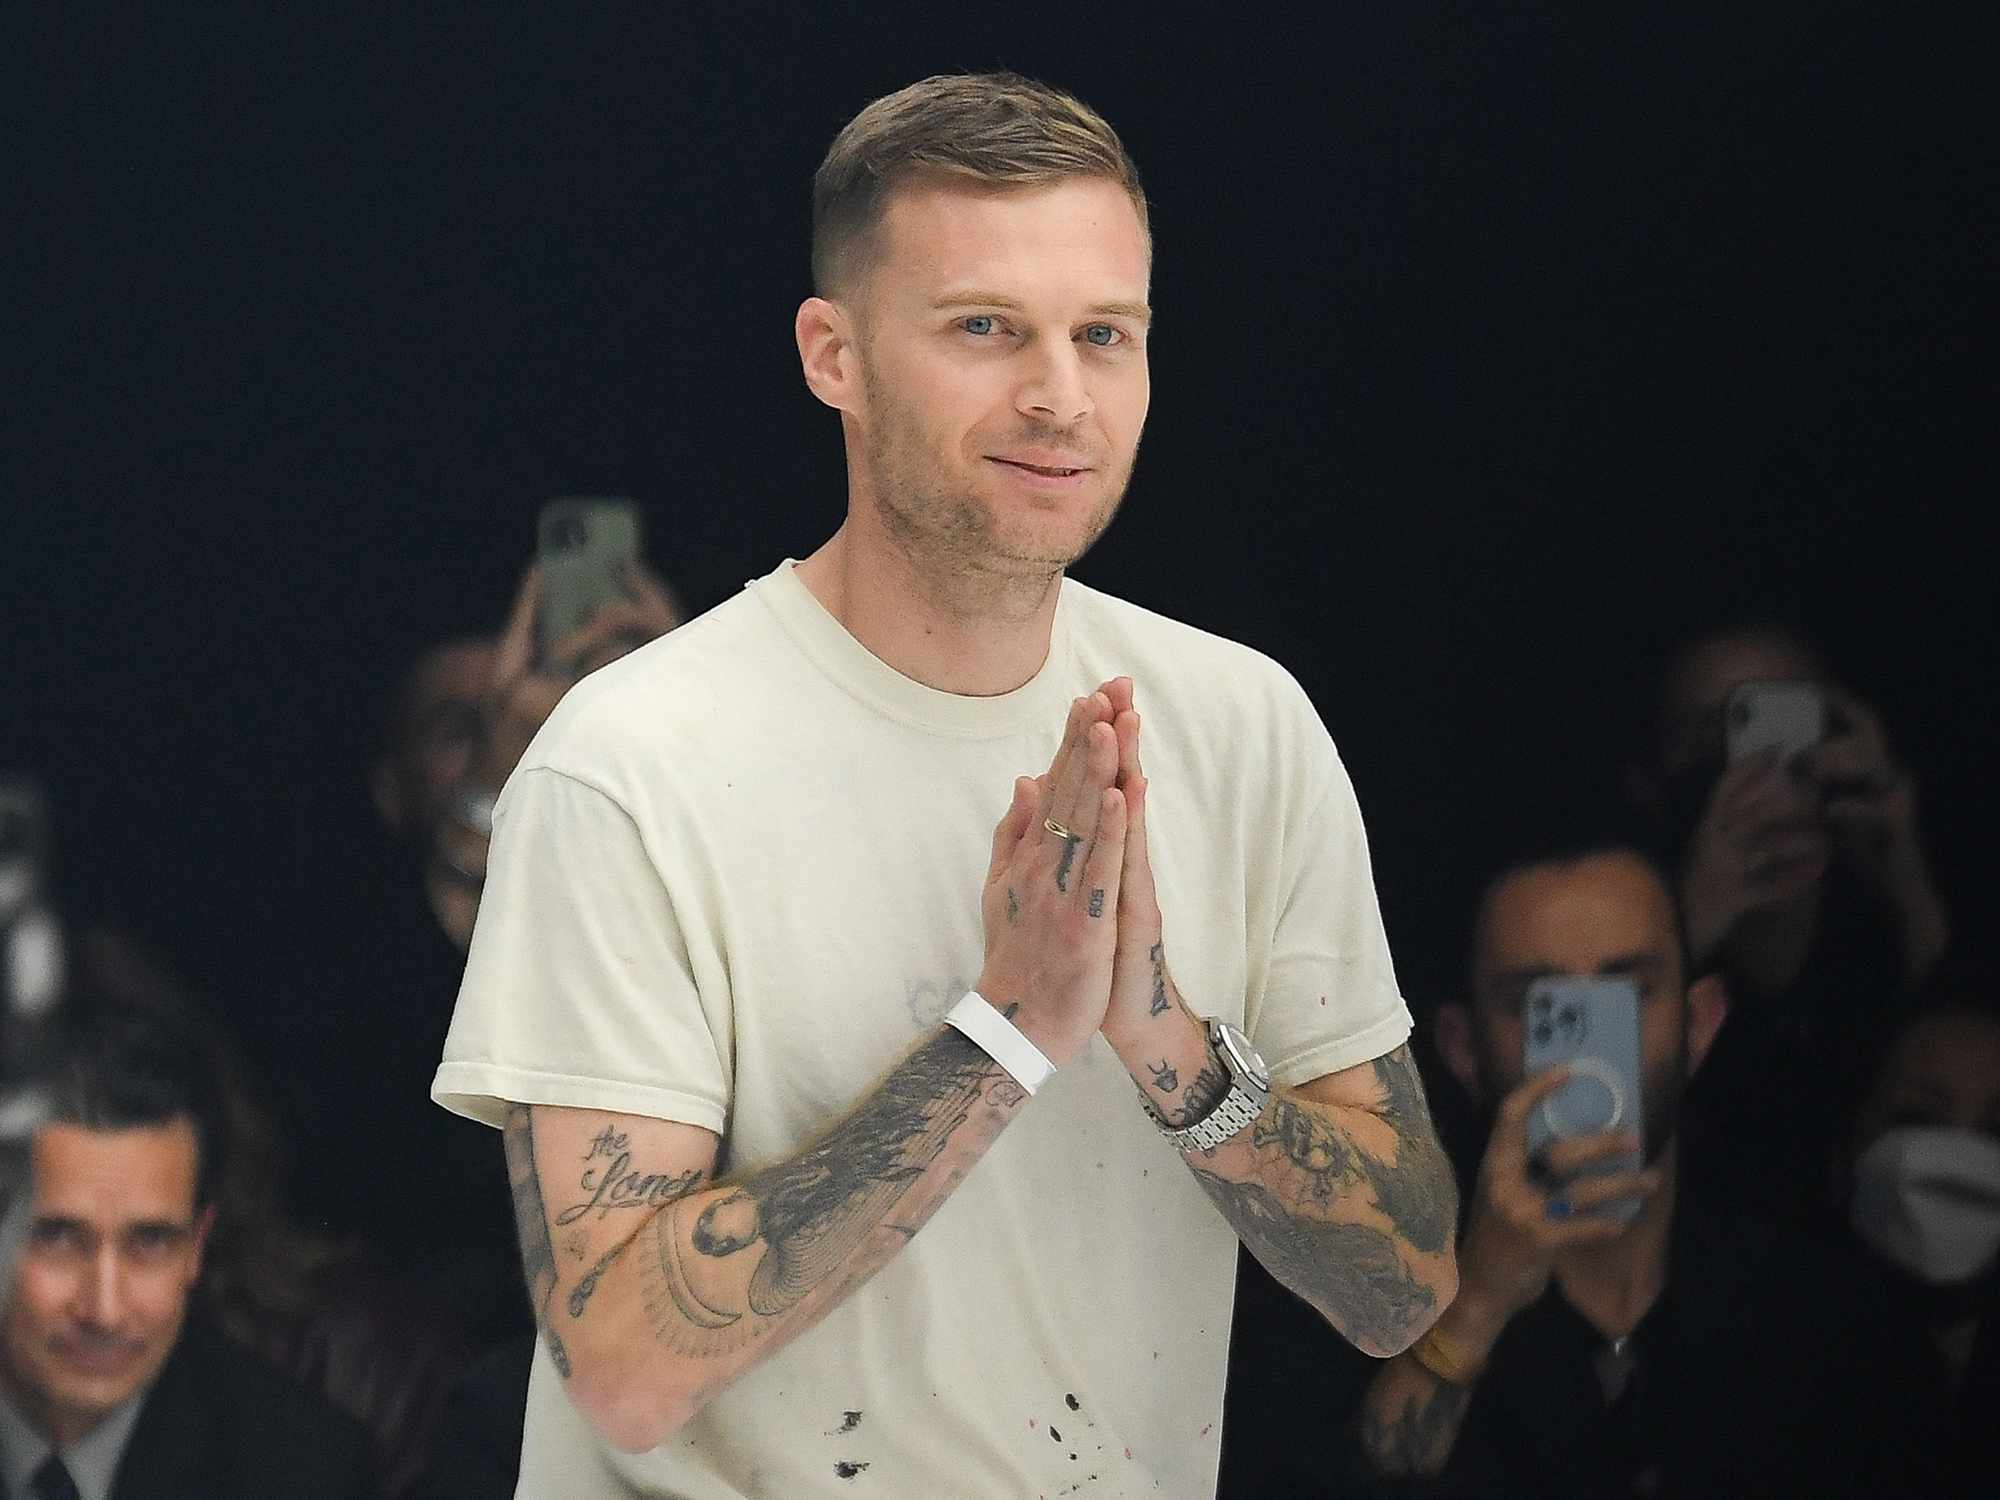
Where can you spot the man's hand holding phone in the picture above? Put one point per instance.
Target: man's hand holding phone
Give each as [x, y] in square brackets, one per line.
[1525, 1212]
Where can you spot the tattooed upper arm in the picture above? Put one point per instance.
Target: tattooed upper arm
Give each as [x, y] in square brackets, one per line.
[584, 1182]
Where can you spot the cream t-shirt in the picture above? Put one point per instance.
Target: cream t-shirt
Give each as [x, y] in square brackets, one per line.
[737, 875]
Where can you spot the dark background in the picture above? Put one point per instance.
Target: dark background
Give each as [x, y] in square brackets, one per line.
[1496, 344]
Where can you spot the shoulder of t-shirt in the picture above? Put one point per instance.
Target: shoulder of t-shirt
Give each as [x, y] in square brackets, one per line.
[704, 674]
[1228, 674]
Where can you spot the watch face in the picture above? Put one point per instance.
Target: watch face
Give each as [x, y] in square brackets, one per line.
[1246, 1057]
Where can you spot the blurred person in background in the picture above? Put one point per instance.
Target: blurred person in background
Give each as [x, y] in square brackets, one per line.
[1919, 1186]
[457, 720]
[1689, 1350]
[112, 1387]
[460, 717]
[1806, 883]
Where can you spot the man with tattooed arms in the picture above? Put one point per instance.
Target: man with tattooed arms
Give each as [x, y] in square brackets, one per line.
[817, 1087]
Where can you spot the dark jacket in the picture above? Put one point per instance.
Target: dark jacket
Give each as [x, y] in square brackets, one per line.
[223, 1425]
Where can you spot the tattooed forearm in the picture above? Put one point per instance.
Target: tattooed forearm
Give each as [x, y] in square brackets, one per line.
[1419, 1193]
[581, 1293]
[619, 1186]
[1352, 1272]
[803, 1225]
[1202, 1095]
[1416, 1435]
[538, 1251]
[1356, 1230]
[1160, 1003]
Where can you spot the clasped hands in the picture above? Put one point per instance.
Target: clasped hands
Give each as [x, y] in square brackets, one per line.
[1072, 917]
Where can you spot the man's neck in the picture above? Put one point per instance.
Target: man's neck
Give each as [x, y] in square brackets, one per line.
[1615, 1284]
[961, 629]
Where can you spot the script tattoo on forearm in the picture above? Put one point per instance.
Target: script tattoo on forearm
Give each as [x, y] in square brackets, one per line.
[617, 1185]
[538, 1251]
[1416, 1438]
[805, 1218]
[1307, 1167]
[581, 1293]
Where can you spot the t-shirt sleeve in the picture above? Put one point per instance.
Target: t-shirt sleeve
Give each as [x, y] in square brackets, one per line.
[1329, 998]
[580, 988]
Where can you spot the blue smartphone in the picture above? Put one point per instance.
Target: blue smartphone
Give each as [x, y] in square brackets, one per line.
[1591, 1026]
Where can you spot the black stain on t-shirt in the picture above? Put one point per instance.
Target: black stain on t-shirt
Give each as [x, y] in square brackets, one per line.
[1074, 1404]
[846, 1470]
[1054, 1434]
[849, 1420]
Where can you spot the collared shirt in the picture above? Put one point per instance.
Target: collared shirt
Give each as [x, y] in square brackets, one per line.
[92, 1460]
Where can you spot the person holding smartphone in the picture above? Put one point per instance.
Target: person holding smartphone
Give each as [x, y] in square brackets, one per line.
[817, 1084]
[1802, 868]
[1614, 1334]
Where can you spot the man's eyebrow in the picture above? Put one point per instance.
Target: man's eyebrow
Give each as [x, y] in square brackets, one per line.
[1623, 965]
[158, 1226]
[973, 297]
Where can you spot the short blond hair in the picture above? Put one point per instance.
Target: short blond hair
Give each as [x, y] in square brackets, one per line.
[998, 129]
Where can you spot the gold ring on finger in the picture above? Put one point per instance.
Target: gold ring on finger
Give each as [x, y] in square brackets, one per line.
[1058, 830]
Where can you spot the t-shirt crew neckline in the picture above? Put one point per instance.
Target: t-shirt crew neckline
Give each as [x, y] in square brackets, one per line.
[1040, 702]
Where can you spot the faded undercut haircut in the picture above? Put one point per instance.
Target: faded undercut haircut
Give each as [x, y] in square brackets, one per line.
[996, 129]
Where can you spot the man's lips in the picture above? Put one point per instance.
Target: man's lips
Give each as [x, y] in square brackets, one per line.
[1047, 470]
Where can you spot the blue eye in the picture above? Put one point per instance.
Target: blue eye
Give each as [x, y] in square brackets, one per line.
[1102, 334]
[979, 324]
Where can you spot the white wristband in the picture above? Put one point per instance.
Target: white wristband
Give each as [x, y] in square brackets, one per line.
[1001, 1040]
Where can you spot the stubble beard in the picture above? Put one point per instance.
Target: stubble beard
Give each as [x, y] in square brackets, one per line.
[947, 533]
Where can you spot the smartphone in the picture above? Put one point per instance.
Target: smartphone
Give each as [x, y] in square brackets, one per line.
[1591, 1026]
[1788, 716]
[584, 544]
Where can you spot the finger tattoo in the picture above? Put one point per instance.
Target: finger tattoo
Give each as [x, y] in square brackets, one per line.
[1068, 859]
[1097, 901]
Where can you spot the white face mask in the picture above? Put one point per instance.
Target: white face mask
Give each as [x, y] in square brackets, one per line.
[1928, 1198]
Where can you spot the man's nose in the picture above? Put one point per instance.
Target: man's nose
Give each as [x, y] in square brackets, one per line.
[104, 1290]
[1056, 390]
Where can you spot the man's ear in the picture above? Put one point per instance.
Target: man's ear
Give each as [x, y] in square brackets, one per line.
[1707, 1009]
[385, 790]
[1456, 1044]
[827, 352]
[204, 1222]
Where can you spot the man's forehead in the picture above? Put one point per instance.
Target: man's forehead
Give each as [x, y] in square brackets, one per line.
[1081, 236]
[115, 1176]
[1576, 917]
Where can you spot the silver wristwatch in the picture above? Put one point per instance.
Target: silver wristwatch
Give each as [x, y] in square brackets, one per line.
[1249, 1087]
